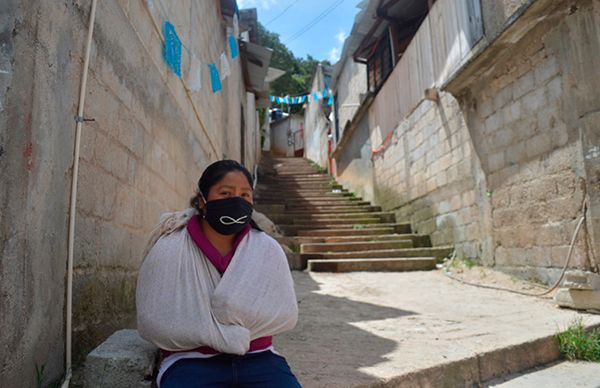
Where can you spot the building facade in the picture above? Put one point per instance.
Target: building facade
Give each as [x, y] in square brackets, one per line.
[476, 125]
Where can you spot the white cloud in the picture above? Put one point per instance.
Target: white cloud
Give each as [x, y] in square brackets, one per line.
[340, 37]
[334, 54]
[264, 4]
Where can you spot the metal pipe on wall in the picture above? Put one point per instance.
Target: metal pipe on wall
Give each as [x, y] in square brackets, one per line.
[73, 201]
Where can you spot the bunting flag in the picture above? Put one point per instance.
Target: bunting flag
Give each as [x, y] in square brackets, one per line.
[315, 96]
[233, 46]
[236, 26]
[225, 68]
[214, 77]
[193, 76]
[172, 48]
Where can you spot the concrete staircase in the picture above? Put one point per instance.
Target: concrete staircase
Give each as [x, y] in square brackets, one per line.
[334, 230]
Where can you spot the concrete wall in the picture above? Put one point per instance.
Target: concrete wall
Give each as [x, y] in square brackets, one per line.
[281, 130]
[500, 166]
[353, 165]
[428, 176]
[531, 126]
[350, 84]
[39, 79]
[142, 155]
[316, 124]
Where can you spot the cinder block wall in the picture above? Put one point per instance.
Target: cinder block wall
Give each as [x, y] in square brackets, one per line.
[527, 118]
[501, 173]
[142, 155]
[429, 173]
[145, 150]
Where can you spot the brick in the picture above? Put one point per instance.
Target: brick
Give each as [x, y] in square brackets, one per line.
[493, 122]
[554, 89]
[502, 98]
[538, 145]
[534, 100]
[523, 85]
[496, 161]
[546, 70]
[512, 112]
[516, 153]
[502, 137]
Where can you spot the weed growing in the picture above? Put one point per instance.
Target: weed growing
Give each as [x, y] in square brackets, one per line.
[575, 343]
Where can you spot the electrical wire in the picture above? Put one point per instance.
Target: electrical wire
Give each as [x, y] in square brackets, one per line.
[281, 13]
[313, 22]
[546, 292]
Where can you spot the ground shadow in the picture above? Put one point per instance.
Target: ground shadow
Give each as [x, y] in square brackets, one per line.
[328, 348]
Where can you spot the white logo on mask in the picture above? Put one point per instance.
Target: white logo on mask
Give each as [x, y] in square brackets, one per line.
[226, 220]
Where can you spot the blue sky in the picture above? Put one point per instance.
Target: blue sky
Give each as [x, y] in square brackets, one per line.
[323, 40]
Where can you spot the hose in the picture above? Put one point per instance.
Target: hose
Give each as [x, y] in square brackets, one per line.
[546, 292]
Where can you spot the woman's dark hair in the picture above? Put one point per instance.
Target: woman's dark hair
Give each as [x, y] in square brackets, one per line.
[214, 173]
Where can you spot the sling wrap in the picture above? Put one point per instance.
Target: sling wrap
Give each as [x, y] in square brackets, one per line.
[184, 303]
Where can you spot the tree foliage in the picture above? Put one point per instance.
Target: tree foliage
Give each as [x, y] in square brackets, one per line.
[298, 71]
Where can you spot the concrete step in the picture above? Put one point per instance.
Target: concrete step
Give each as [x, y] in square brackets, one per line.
[269, 208]
[331, 232]
[334, 199]
[296, 229]
[354, 246]
[417, 240]
[288, 218]
[438, 252]
[358, 220]
[336, 209]
[300, 193]
[382, 264]
[324, 203]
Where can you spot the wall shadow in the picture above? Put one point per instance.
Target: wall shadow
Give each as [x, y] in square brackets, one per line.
[327, 349]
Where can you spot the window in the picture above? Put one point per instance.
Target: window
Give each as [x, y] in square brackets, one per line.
[379, 64]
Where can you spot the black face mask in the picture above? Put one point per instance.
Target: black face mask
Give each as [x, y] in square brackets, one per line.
[228, 216]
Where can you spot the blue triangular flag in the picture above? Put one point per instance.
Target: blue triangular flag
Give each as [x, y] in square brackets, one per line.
[172, 48]
[271, 98]
[315, 96]
[302, 99]
[214, 77]
[330, 101]
[233, 46]
[324, 93]
[278, 99]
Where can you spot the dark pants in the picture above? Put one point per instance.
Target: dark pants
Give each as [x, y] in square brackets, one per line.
[264, 370]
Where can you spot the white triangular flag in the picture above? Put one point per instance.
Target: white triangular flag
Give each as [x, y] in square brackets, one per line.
[236, 26]
[225, 69]
[193, 74]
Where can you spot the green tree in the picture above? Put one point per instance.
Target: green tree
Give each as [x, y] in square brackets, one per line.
[298, 71]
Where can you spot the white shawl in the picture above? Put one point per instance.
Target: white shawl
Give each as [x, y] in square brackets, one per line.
[183, 302]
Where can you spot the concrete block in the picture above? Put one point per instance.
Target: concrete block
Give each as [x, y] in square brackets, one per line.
[546, 70]
[523, 85]
[538, 145]
[578, 299]
[582, 280]
[123, 360]
[534, 100]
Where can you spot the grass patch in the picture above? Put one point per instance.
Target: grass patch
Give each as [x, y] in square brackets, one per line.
[575, 343]
[358, 227]
[464, 262]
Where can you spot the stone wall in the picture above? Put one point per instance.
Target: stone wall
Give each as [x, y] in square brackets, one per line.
[142, 155]
[428, 176]
[530, 142]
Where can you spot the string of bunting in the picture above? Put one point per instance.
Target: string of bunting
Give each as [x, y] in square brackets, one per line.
[175, 53]
[314, 96]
